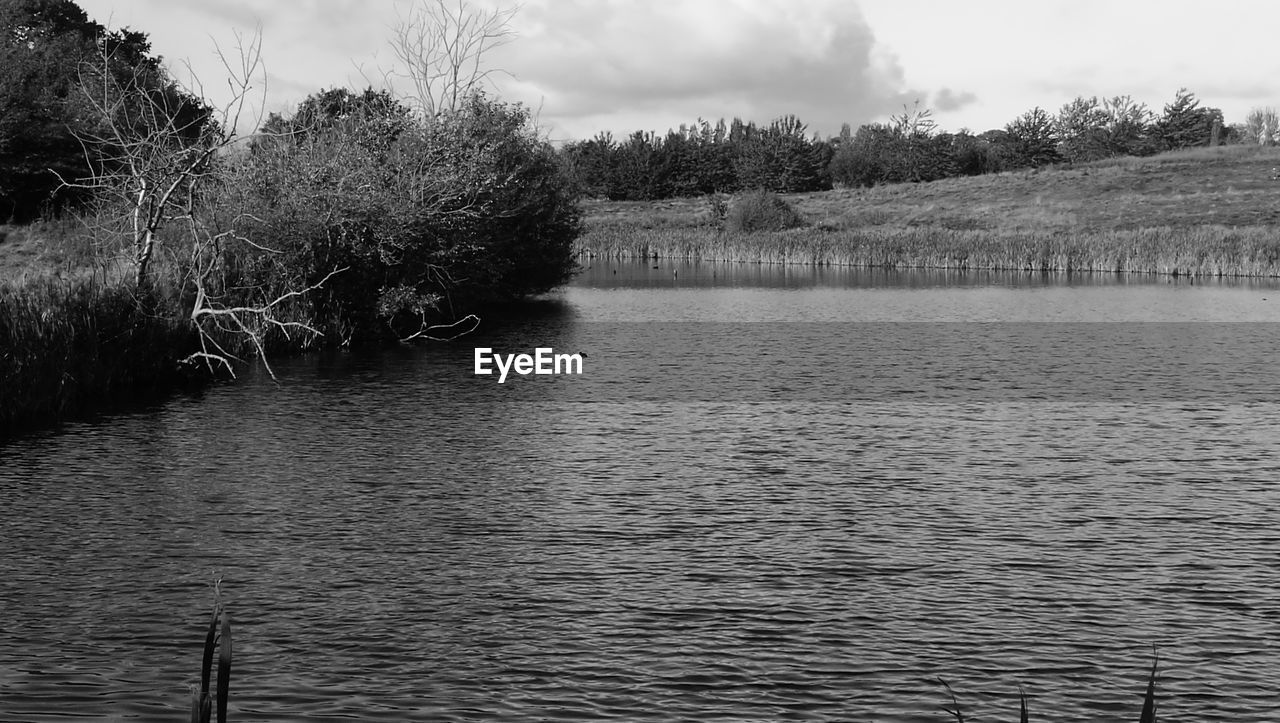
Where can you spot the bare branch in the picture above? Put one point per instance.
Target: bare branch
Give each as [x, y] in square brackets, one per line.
[427, 333]
[441, 47]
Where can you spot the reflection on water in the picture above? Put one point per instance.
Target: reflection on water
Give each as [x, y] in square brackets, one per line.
[402, 540]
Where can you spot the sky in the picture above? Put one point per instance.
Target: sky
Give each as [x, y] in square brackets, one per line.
[587, 66]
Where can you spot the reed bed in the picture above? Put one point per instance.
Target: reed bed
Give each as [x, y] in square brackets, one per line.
[1191, 251]
[70, 346]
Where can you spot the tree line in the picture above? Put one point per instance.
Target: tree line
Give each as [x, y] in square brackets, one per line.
[702, 157]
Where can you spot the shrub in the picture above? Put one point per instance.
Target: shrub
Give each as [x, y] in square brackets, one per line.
[761, 211]
[469, 205]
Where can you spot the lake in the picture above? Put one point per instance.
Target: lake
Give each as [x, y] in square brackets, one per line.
[773, 493]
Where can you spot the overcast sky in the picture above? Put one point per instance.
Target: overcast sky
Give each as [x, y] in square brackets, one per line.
[624, 65]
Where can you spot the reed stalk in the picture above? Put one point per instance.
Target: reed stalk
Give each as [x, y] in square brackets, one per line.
[1148, 714]
[218, 638]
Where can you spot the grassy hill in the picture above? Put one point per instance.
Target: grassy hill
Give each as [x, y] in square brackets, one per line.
[1206, 211]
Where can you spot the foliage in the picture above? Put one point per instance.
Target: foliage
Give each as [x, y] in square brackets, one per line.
[469, 206]
[869, 157]
[1261, 127]
[781, 158]
[905, 150]
[1089, 130]
[1129, 127]
[1081, 127]
[1184, 124]
[66, 348]
[700, 158]
[1032, 139]
[49, 52]
[761, 211]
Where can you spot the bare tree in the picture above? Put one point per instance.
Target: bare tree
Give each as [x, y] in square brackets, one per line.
[1262, 126]
[440, 46]
[158, 164]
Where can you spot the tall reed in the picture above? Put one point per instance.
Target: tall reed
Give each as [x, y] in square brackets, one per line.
[1193, 251]
[67, 347]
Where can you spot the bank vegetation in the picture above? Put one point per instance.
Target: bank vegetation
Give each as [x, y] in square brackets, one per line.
[1199, 212]
[183, 247]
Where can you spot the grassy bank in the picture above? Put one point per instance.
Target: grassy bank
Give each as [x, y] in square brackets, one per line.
[71, 347]
[1209, 211]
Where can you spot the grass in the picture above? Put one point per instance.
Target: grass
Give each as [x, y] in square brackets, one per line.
[68, 347]
[1208, 211]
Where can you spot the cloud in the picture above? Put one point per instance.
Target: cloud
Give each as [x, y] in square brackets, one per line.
[588, 62]
[946, 100]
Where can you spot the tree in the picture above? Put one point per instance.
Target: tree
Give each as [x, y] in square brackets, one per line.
[781, 158]
[148, 141]
[1128, 127]
[1031, 139]
[590, 164]
[423, 215]
[1262, 127]
[925, 156]
[873, 155]
[1184, 124]
[42, 43]
[1081, 127]
[164, 176]
[441, 48]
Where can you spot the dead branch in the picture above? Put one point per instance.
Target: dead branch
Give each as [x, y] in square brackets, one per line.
[441, 47]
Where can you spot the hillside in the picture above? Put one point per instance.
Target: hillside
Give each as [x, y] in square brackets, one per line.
[1190, 208]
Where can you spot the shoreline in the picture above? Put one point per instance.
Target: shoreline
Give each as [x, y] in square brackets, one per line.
[1197, 212]
[1214, 252]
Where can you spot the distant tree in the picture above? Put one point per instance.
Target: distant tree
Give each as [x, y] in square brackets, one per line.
[1129, 127]
[1184, 124]
[590, 164]
[1031, 140]
[781, 158]
[1261, 127]
[636, 162]
[715, 153]
[872, 156]
[972, 155]
[925, 155]
[1081, 127]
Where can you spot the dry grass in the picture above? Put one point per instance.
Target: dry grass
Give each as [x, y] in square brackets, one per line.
[1201, 211]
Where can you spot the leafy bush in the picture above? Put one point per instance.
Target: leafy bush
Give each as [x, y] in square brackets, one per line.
[466, 206]
[761, 211]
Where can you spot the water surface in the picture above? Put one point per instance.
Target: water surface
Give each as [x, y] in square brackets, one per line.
[774, 494]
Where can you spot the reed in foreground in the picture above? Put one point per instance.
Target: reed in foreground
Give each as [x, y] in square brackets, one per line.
[217, 639]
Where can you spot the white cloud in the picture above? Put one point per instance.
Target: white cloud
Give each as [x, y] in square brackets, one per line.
[623, 65]
[587, 63]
